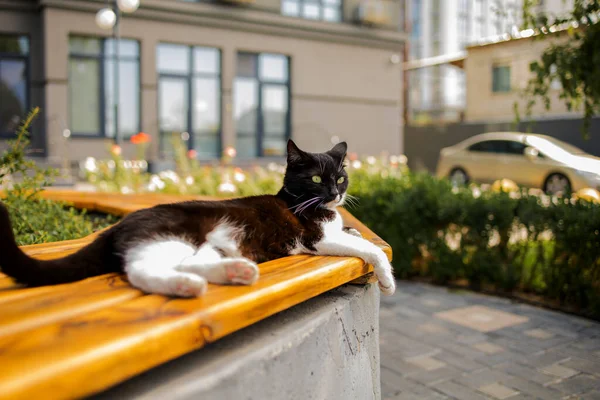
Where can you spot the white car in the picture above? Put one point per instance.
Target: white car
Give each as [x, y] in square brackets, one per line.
[530, 160]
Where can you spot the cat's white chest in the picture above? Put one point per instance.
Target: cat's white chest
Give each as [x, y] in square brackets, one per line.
[333, 227]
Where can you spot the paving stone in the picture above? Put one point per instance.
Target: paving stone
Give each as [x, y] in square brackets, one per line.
[578, 384]
[593, 395]
[407, 348]
[519, 370]
[587, 366]
[426, 363]
[432, 328]
[539, 334]
[480, 318]
[499, 358]
[488, 348]
[531, 388]
[520, 346]
[397, 364]
[458, 391]
[559, 371]
[477, 379]
[498, 391]
[435, 376]
[546, 358]
[459, 362]
[472, 338]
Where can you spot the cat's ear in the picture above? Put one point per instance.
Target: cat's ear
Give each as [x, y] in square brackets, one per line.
[339, 151]
[294, 154]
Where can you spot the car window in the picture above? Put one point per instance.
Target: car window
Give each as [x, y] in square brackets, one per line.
[515, 147]
[489, 146]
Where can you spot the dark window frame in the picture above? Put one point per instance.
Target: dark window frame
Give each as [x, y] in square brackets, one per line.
[496, 85]
[101, 57]
[322, 5]
[260, 134]
[27, 61]
[189, 81]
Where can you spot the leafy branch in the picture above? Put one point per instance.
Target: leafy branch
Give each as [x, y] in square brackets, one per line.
[572, 59]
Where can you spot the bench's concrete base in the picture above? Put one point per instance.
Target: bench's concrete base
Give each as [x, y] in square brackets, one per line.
[324, 349]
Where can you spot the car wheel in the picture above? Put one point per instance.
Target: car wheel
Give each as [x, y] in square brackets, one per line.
[458, 177]
[557, 184]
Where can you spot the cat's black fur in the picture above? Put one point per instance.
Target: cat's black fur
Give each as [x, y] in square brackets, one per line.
[273, 224]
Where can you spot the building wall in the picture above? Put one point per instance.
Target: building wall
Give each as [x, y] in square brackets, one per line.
[445, 27]
[483, 105]
[342, 81]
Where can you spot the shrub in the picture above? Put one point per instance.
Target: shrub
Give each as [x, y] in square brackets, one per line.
[37, 220]
[513, 241]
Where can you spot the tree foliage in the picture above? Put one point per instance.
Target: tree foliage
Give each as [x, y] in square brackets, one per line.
[575, 62]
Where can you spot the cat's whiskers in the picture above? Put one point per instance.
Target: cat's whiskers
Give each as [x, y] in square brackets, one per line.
[305, 205]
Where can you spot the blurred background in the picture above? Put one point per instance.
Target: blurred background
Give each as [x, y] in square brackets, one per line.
[401, 76]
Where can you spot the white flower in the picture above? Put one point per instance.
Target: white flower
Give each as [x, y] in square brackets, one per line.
[239, 176]
[170, 175]
[111, 164]
[159, 183]
[402, 159]
[90, 164]
[371, 160]
[272, 167]
[356, 164]
[189, 180]
[126, 190]
[476, 192]
[227, 187]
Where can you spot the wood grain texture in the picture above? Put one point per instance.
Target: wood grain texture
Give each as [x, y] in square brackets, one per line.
[100, 331]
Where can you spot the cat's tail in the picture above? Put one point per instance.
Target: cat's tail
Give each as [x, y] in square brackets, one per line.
[97, 258]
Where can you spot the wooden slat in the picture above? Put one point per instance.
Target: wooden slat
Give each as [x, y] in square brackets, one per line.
[73, 340]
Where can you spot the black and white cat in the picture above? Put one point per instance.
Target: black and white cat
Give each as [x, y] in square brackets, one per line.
[176, 249]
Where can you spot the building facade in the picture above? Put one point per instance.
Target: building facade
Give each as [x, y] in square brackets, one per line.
[216, 74]
[442, 29]
[496, 74]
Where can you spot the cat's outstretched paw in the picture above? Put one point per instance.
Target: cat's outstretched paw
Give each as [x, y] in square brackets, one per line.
[187, 285]
[353, 232]
[241, 271]
[387, 283]
[388, 290]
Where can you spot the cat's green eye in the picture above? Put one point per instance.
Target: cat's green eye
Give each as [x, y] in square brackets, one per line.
[341, 180]
[316, 179]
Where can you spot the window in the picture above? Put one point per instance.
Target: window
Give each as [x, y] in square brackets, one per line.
[499, 146]
[14, 82]
[92, 86]
[325, 10]
[489, 146]
[501, 79]
[189, 98]
[516, 148]
[262, 104]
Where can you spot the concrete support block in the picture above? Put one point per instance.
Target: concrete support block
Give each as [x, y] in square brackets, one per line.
[325, 348]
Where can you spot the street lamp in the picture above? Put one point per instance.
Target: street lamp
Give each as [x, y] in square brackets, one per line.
[110, 18]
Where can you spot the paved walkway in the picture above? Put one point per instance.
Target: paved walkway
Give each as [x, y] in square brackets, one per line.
[442, 344]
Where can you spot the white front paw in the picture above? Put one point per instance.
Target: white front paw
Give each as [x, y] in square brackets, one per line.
[387, 283]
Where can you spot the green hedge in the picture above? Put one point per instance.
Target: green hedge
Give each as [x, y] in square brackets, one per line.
[510, 241]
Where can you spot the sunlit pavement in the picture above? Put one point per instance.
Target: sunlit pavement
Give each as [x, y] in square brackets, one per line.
[437, 343]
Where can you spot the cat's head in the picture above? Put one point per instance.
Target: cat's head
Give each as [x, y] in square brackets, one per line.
[319, 176]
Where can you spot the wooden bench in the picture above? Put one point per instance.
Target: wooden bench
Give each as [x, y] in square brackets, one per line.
[77, 339]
